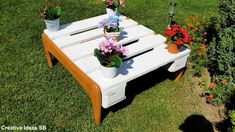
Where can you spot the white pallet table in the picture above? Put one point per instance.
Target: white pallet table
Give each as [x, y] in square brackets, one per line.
[147, 52]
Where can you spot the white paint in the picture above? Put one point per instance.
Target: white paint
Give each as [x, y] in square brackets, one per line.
[108, 72]
[79, 49]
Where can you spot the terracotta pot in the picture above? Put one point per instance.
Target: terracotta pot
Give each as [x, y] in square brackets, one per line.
[115, 35]
[173, 48]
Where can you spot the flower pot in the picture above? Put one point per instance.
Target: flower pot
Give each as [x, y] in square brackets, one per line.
[115, 35]
[108, 72]
[111, 12]
[52, 25]
[173, 48]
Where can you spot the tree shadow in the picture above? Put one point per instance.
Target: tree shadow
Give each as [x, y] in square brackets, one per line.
[196, 123]
[136, 87]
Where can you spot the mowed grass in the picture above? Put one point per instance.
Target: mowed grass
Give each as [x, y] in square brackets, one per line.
[32, 94]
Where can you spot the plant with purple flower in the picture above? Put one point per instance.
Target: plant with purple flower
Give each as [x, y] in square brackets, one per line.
[114, 4]
[110, 54]
[111, 24]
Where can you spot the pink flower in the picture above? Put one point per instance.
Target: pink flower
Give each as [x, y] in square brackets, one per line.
[122, 2]
[110, 2]
[124, 51]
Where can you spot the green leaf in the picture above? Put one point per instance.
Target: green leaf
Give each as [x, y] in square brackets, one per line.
[116, 61]
[58, 11]
[99, 56]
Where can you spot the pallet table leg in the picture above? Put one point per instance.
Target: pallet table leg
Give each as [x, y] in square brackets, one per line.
[95, 96]
[48, 54]
[49, 58]
[87, 83]
[179, 74]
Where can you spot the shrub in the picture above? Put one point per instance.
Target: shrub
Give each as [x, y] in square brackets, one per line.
[197, 29]
[221, 55]
[222, 47]
[227, 13]
[232, 117]
[220, 92]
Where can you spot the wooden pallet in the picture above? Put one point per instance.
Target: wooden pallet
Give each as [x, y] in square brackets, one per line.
[73, 46]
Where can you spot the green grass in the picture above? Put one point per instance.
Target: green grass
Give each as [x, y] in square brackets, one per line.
[33, 94]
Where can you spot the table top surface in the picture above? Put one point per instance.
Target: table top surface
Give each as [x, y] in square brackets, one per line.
[147, 51]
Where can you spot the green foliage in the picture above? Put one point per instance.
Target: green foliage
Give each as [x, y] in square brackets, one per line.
[220, 93]
[227, 13]
[108, 61]
[51, 12]
[198, 56]
[222, 55]
[232, 117]
[222, 46]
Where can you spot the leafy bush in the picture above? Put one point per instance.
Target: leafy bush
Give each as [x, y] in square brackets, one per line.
[227, 13]
[222, 47]
[221, 55]
[232, 117]
[219, 93]
[197, 29]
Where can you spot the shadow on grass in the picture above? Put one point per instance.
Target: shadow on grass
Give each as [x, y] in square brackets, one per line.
[196, 123]
[137, 86]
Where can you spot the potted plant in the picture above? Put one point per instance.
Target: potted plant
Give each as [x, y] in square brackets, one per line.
[113, 5]
[111, 27]
[51, 15]
[110, 56]
[176, 37]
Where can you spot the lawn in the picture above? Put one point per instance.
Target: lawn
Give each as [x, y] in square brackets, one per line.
[31, 94]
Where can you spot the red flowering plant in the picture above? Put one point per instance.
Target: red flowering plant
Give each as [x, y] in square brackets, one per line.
[177, 35]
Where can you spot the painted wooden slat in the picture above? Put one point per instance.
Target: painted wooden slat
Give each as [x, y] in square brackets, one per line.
[89, 63]
[89, 35]
[133, 33]
[82, 50]
[78, 26]
[139, 66]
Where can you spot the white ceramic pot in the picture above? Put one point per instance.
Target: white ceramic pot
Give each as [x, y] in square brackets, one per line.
[111, 12]
[108, 72]
[53, 25]
[115, 35]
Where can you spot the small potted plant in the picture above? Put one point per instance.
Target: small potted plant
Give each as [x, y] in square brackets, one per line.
[113, 5]
[110, 56]
[111, 27]
[176, 37]
[51, 15]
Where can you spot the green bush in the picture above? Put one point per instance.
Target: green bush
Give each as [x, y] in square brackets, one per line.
[221, 55]
[219, 93]
[222, 47]
[232, 117]
[227, 13]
